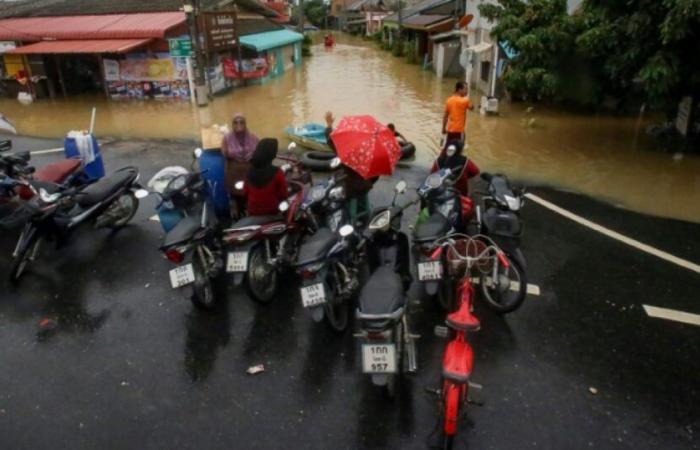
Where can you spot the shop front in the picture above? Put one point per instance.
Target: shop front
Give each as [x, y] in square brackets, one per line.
[265, 55]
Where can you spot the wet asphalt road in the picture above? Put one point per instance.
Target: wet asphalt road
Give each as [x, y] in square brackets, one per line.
[128, 362]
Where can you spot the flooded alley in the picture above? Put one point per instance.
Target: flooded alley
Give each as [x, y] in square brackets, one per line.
[607, 157]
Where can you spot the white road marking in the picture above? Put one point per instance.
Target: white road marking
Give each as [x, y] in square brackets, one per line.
[671, 314]
[47, 151]
[532, 289]
[615, 235]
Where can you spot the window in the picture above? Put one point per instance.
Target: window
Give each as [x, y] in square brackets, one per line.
[485, 70]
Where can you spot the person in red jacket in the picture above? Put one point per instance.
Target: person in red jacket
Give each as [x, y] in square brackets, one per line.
[451, 157]
[266, 185]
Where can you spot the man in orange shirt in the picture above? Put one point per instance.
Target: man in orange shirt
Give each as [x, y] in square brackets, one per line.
[455, 119]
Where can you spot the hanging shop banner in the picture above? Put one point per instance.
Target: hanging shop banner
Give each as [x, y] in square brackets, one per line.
[252, 68]
[220, 32]
[111, 69]
[147, 70]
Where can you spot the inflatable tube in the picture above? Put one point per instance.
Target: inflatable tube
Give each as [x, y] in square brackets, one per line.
[408, 150]
[318, 161]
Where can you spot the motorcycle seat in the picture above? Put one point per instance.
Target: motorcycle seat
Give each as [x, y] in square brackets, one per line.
[182, 232]
[57, 172]
[105, 187]
[383, 292]
[433, 228]
[256, 220]
[317, 246]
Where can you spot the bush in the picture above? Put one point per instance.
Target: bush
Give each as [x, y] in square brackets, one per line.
[399, 48]
[411, 52]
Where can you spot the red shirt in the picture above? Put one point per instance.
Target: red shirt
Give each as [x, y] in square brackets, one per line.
[462, 184]
[265, 201]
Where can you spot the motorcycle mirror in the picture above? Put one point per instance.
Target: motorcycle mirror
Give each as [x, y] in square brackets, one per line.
[239, 185]
[400, 187]
[335, 163]
[292, 146]
[284, 206]
[141, 193]
[197, 153]
[346, 230]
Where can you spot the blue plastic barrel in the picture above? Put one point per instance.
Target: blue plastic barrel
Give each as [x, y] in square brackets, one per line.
[212, 161]
[96, 169]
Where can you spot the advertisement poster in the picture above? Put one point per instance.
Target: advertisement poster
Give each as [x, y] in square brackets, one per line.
[252, 68]
[177, 89]
[111, 70]
[147, 70]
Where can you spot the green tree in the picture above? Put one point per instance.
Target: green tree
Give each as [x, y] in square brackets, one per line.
[315, 12]
[647, 46]
[543, 35]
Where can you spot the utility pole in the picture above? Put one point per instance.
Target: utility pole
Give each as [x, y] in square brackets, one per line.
[192, 11]
[301, 16]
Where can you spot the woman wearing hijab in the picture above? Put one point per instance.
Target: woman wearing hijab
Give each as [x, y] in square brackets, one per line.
[451, 157]
[266, 185]
[237, 147]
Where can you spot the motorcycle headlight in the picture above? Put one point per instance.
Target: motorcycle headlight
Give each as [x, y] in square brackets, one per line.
[317, 193]
[337, 193]
[381, 221]
[514, 203]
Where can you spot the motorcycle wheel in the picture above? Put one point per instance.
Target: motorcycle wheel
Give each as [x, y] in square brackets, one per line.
[336, 312]
[446, 294]
[26, 253]
[202, 288]
[127, 204]
[262, 276]
[503, 298]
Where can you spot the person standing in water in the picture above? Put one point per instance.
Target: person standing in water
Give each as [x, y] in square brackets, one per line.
[238, 147]
[454, 120]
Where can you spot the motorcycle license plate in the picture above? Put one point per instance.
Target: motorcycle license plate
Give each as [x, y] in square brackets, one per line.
[428, 271]
[378, 358]
[237, 262]
[181, 276]
[313, 295]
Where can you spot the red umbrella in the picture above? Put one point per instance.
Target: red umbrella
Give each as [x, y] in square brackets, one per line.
[366, 146]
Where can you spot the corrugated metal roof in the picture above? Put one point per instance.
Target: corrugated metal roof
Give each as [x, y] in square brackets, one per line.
[111, 26]
[85, 46]
[44, 8]
[415, 9]
[425, 20]
[271, 39]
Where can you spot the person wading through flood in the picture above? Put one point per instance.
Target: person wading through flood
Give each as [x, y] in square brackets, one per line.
[237, 147]
[455, 119]
[356, 188]
[266, 186]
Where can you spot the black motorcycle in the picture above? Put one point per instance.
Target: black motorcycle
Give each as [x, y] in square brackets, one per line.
[388, 346]
[108, 203]
[194, 243]
[328, 262]
[498, 216]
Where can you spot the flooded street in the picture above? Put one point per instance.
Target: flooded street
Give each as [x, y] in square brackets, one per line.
[603, 156]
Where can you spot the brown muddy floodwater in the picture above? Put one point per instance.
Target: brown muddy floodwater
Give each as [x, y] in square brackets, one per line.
[603, 156]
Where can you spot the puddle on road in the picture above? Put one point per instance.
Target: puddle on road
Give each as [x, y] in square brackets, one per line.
[603, 156]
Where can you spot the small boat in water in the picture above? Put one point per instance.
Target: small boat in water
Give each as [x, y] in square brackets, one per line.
[312, 136]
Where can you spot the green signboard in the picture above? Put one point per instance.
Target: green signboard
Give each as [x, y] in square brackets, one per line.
[180, 47]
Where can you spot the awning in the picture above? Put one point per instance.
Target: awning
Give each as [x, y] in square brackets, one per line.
[480, 48]
[87, 46]
[271, 39]
[109, 26]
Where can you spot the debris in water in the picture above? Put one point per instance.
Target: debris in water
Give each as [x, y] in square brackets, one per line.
[252, 370]
[593, 390]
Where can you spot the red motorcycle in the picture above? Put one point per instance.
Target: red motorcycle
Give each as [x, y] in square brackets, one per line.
[260, 247]
[463, 255]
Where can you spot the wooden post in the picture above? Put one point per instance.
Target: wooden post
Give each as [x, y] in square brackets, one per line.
[61, 81]
[101, 63]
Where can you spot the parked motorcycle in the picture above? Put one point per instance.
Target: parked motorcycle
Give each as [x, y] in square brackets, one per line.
[448, 212]
[388, 346]
[260, 247]
[325, 204]
[498, 216]
[463, 255]
[110, 202]
[193, 241]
